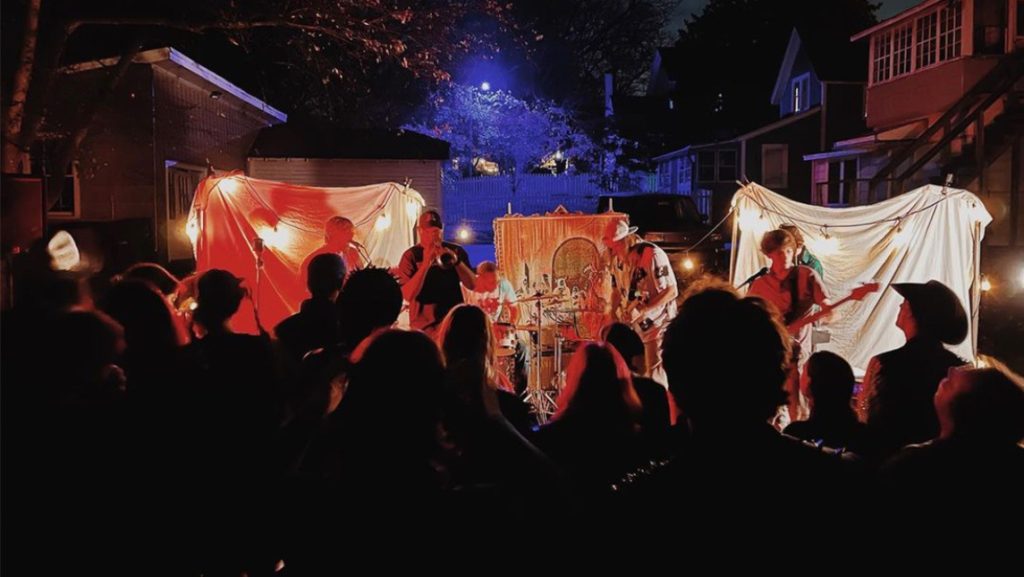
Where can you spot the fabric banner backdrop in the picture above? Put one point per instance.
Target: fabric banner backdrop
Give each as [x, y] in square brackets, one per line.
[927, 233]
[229, 213]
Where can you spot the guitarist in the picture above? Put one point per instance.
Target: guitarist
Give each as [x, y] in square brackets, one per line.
[644, 292]
[794, 290]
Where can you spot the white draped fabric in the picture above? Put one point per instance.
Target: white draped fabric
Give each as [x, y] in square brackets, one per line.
[928, 233]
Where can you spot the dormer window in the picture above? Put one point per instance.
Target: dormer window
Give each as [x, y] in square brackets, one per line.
[801, 92]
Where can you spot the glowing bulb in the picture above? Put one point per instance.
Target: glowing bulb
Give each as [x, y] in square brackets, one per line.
[463, 233]
[901, 238]
[986, 285]
[688, 263]
[824, 245]
[383, 222]
[63, 251]
[412, 209]
[485, 86]
[192, 231]
[229, 185]
[193, 306]
[753, 223]
[273, 237]
[978, 212]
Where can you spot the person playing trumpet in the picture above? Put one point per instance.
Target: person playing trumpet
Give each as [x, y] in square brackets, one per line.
[431, 273]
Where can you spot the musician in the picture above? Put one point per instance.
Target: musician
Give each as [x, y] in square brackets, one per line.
[644, 289]
[339, 238]
[493, 294]
[804, 256]
[430, 273]
[794, 290]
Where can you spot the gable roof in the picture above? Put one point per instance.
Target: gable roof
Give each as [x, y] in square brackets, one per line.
[182, 66]
[309, 139]
[833, 58]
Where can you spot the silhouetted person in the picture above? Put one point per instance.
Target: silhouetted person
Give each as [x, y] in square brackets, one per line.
[975, 466]
[595, 434]
[466, 335]
[828, 381]
[655, 419]
[316, 324]
[896, 401]
[235, 410]
[727, 358]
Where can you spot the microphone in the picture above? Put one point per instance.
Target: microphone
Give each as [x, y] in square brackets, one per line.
[363, 253]
[754, 277]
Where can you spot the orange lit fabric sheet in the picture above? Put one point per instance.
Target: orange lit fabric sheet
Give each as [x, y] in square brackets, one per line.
[228, 213]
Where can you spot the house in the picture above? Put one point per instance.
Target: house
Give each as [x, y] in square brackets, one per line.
[322, 154]
[167, 122]
[944, 97]
[819, 94]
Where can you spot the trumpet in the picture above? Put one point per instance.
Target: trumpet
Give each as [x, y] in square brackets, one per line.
[446, 259]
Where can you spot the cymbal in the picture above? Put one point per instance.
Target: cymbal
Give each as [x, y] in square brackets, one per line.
[536, 298]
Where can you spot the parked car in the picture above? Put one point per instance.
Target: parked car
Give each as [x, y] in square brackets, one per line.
[673, 222]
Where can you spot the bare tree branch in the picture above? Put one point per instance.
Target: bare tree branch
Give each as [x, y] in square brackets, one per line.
[12, 152]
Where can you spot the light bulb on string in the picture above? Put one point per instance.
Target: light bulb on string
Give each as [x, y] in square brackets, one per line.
[823, 245]
[383, 222]
[412, 209]
[901, 238]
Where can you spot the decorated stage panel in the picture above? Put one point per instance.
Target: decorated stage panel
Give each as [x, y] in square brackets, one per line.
[557, 265]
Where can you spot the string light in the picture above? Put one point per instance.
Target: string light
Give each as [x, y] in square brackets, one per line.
[412, 209]
[753, 223]
[825, 245]
[229, 185]
[688, 263]
[901, 238]
[986, 285]
[464, 233]
[192, 231]
[383, 222]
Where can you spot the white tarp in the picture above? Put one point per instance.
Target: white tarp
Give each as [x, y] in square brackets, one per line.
[928, 233]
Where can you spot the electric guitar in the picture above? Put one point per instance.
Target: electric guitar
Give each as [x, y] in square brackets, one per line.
[855, 295]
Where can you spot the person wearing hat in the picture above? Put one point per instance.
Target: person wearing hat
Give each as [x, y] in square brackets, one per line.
[644, 289]
[431, 272]
[899, 385]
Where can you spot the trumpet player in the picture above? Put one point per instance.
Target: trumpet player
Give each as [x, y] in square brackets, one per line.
[431, 273]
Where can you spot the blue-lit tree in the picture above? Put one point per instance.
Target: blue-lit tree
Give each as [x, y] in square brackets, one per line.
[518, 135]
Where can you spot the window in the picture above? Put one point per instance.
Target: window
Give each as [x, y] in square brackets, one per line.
[883, 51]
[665, 175]
[775, 165]
[1020, 18]
[801, 92]
[706, 166]
[949, 32]
[68, 203]
[683, 171]
[726, 165]
[901, 51]
[182, 180]
[926, 39]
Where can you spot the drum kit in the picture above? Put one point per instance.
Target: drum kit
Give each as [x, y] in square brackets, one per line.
[554, 333]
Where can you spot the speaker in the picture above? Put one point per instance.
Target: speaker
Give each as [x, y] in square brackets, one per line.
[21, 208]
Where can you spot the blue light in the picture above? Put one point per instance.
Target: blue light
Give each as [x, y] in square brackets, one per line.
[485, 86]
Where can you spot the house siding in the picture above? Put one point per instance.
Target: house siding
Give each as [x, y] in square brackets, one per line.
[425, 174]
